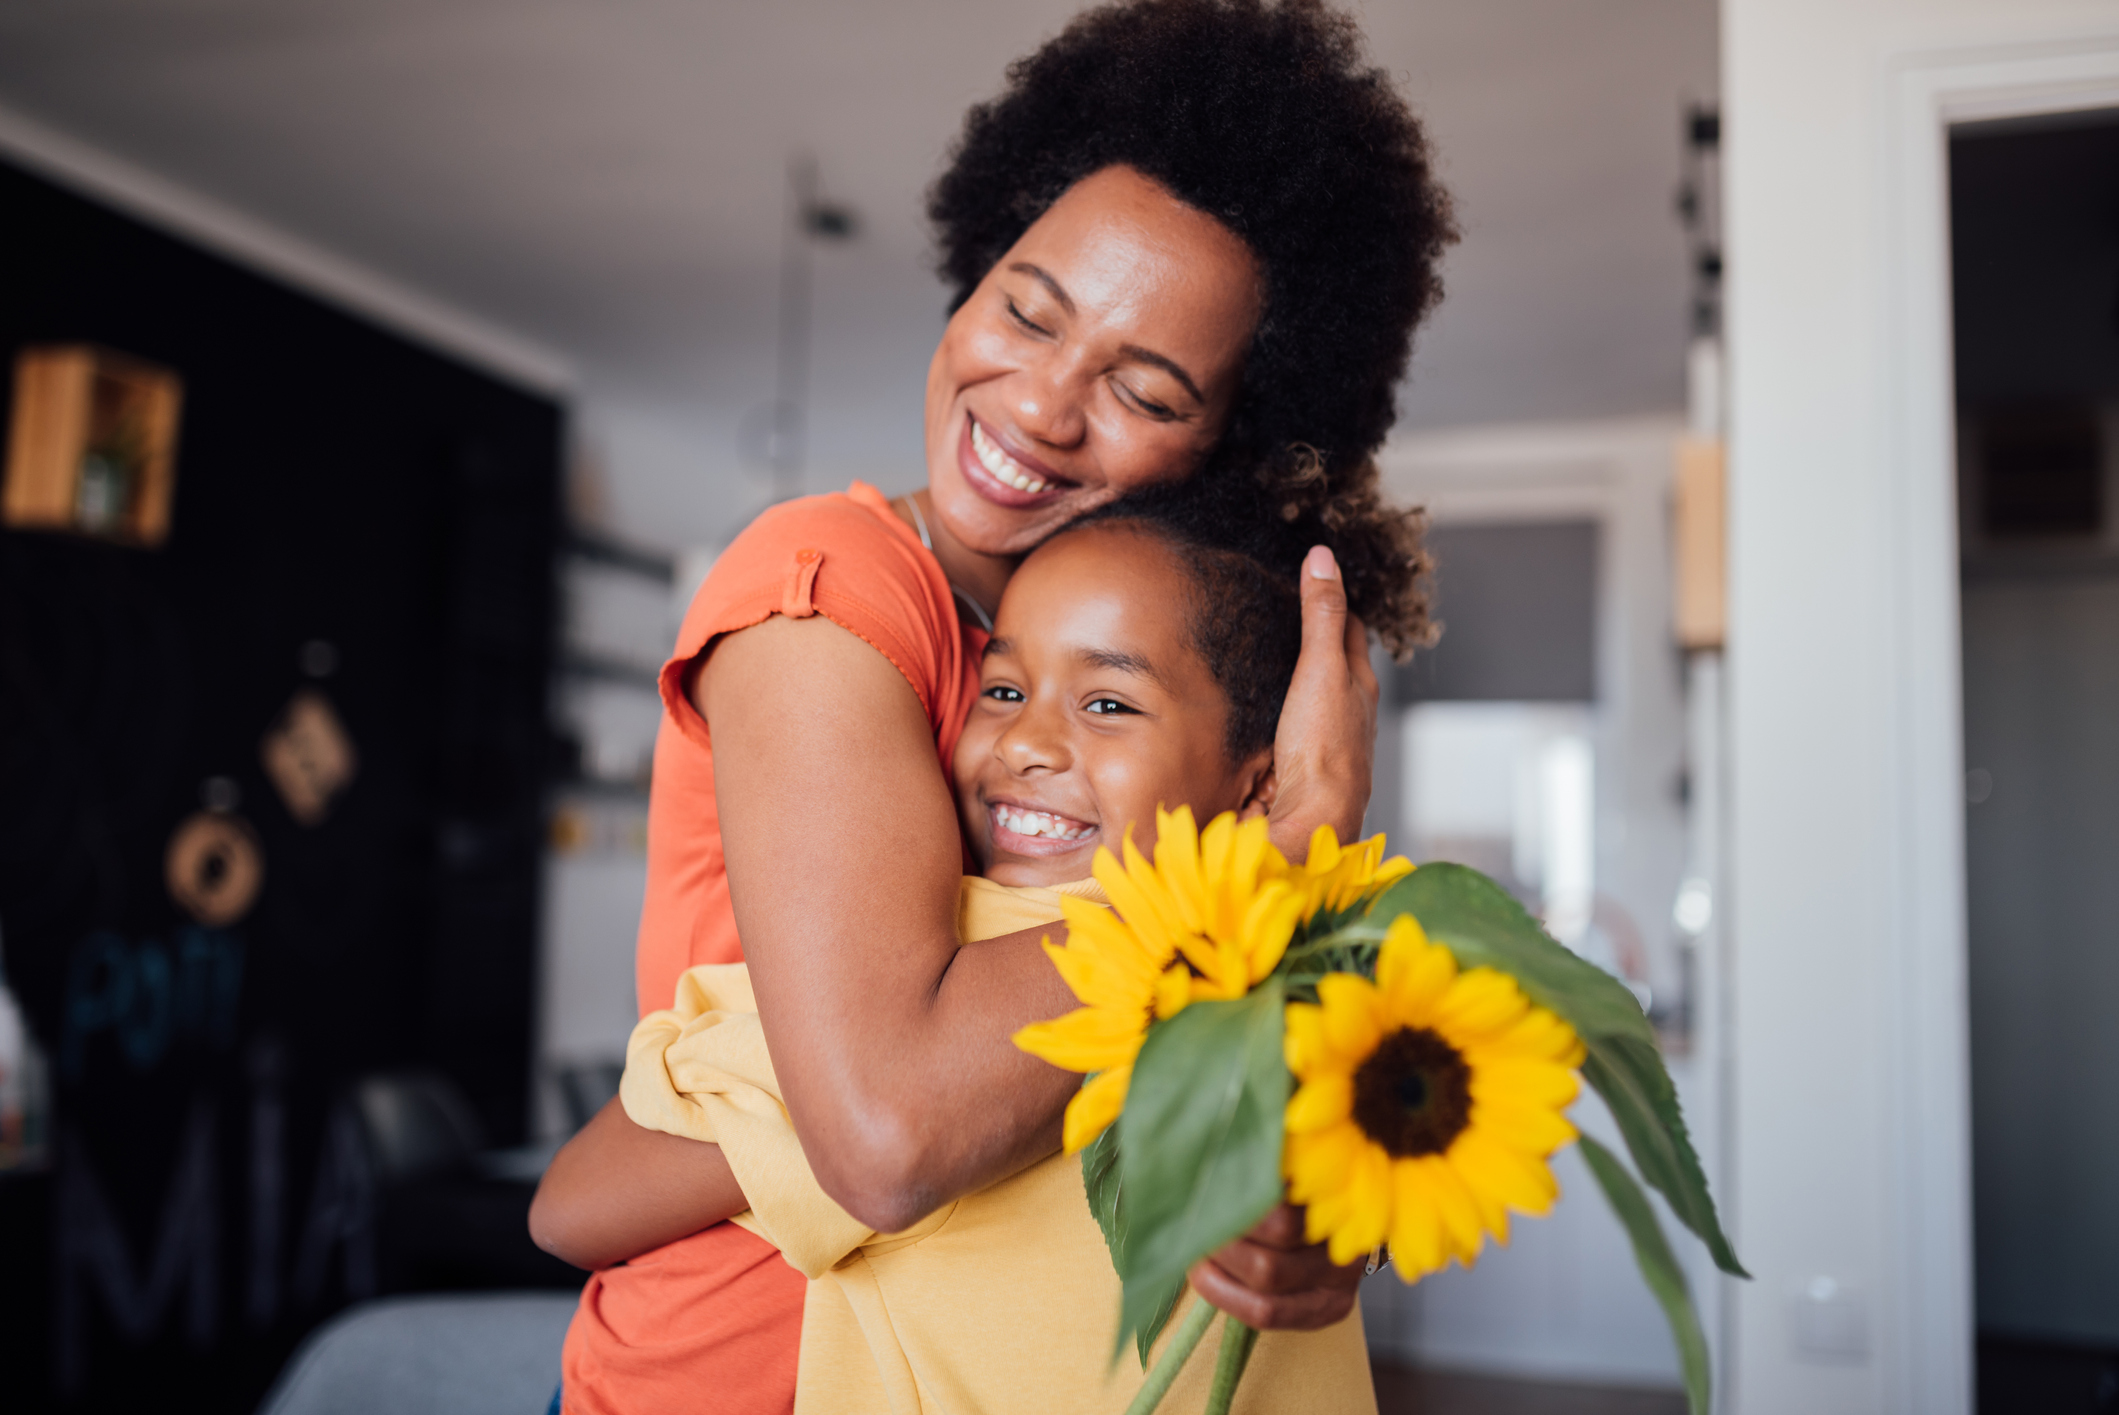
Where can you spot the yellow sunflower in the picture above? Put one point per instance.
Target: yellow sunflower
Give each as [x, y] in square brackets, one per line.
[1336, 876]
[1429, 1103]
[1209, 918]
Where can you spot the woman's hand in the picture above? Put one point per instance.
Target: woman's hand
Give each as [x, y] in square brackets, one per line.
[1324, 752]
[616, 1191]
[1270, 1279]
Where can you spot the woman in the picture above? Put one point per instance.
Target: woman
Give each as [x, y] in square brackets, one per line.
[1190, 241]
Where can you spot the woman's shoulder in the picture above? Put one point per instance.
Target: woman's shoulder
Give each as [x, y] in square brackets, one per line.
[839, 545]
[848, 557]
[856, 522]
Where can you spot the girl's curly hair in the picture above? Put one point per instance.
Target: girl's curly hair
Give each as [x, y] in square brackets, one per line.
[1264, 115]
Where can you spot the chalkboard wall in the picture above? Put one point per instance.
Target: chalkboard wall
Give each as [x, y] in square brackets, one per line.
[357, 517]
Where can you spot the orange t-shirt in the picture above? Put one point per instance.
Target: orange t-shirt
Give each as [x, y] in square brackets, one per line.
[713, 1322]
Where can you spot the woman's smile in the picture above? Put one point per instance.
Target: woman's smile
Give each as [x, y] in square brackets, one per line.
[1003, 475]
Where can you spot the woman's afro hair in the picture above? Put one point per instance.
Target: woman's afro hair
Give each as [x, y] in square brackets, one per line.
[1266, 117]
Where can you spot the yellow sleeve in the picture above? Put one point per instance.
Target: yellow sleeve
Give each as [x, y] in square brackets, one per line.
[700, 1069]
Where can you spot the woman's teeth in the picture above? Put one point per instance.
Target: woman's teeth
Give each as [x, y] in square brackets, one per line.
[1003, 467]
[1040, 823]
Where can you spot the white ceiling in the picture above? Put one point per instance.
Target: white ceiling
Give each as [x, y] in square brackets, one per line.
[607, 176]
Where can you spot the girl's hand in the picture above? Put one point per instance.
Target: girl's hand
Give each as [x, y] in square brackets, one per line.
[1325, 750]
[1270, 1279]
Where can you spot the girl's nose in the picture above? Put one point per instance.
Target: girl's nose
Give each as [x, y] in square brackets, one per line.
[1033, 742]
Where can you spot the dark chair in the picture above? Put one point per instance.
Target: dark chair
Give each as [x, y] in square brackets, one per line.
[451, 1215]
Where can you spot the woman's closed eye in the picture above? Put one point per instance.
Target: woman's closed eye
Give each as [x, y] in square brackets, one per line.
[1143, 404]
[1029, 325]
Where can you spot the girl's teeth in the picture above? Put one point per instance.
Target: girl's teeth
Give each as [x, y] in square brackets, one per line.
[1038, 823]
[1003, 467]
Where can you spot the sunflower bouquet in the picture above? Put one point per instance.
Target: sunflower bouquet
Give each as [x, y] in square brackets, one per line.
[1394, 1049]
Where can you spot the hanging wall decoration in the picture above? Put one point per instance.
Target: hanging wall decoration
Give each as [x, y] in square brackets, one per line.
[309, 756]
[92, 445]
[214, 867]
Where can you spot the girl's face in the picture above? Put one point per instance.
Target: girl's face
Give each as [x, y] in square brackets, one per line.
[1101, 354]
[1093, 709]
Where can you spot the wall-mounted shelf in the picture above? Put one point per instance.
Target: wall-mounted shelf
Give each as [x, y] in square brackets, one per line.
[92, 445]
[602, 550]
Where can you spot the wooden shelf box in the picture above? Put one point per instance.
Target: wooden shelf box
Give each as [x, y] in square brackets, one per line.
[92, 445]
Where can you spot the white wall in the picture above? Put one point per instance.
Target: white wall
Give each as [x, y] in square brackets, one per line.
[1564, 1300]
[1846, 814]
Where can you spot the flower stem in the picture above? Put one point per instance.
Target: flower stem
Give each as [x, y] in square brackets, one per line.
[1236, 1343]
[1173, 1358]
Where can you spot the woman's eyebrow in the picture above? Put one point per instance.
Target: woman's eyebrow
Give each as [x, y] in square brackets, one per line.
[996, 646]
[1135, 352]
[1168, 365]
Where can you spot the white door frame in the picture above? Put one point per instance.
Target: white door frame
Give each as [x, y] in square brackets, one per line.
[1929, 1357]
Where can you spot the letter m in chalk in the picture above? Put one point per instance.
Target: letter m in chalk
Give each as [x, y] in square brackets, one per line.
[92, 1252]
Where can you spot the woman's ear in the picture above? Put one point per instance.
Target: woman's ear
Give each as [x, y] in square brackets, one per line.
[1260, 783]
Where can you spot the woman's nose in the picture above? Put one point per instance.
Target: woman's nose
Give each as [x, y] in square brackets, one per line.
[1048, 400]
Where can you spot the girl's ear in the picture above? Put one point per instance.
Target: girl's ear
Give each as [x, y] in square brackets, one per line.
[1260, 784]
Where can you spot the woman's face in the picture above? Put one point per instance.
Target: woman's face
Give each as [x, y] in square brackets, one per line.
[1101, 354]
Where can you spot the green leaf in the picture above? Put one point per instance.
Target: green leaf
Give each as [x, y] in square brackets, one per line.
[1631, 1079]
[1483, 925]
[1100, 1177]
[1199, 1141]
[1659, 1268]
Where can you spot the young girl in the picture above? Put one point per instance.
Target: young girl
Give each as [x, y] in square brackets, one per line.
[1135, 665]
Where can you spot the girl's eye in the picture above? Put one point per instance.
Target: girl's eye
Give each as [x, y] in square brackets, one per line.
[1003, 694]
[1108, 706]
[1015, 313]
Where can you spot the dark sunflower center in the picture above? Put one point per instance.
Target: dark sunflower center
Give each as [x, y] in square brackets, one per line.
[1414, 1094]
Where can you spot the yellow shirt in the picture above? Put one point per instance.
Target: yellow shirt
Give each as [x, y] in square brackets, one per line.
[1004, 1300]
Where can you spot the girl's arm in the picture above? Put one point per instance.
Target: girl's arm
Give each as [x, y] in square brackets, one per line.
[616, 1191]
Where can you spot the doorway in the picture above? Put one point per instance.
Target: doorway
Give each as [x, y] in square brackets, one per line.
[2034, 211]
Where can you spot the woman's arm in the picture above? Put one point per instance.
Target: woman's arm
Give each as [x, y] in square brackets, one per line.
[843, 854]
[863, 807]
[616, 1191]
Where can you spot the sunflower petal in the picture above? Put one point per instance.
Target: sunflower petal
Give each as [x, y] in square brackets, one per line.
[1461, 1231]
[1324, 1101]
[1177, 859]
[1488, 1167]
[1306, 1045]
[1416, 1224]
[1086, 1039]
[1531, 1129]
[1353, 1015]
[1481, 1003]
[1267, 926]
[1316, 1164]
[1540, 1083]
[1094, 1107]
[1414, 974]
[1173, 990]
[1367, 1220]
